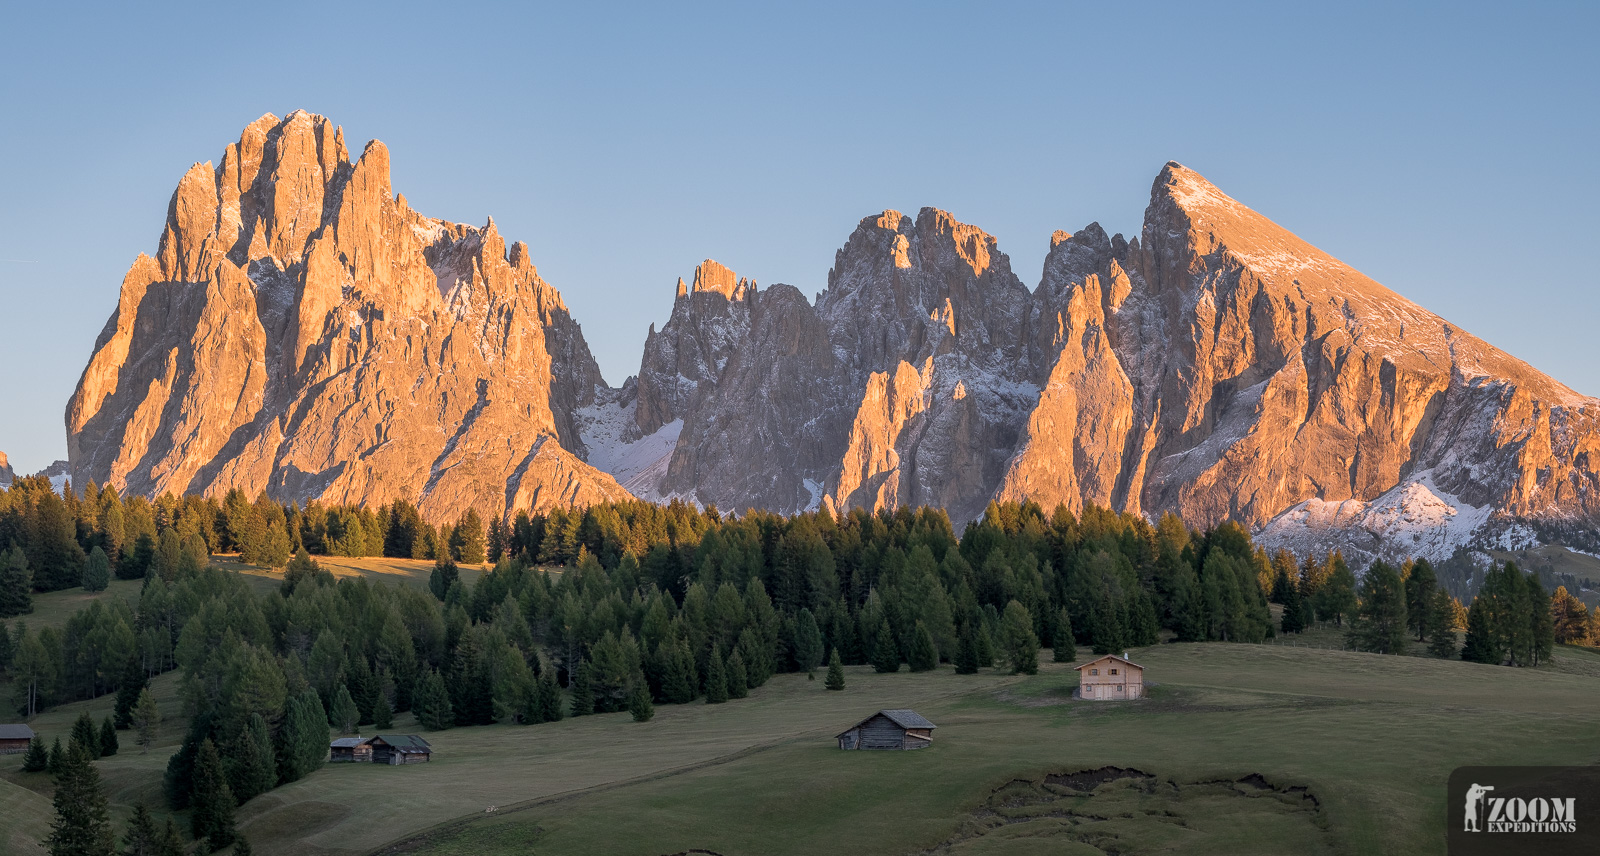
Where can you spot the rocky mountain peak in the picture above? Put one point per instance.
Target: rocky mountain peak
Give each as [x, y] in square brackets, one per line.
[302, 331]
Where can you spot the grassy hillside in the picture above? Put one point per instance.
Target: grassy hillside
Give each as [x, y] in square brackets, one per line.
[1373, 739]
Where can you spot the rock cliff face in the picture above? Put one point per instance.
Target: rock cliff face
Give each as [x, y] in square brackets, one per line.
[1217, 367]
[302, 331]
[6, 475]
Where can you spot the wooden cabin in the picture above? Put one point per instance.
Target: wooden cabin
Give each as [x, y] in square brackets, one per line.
[889, 729]
[400, 749]
[350, 749]
[1110, 678]
[15, 738]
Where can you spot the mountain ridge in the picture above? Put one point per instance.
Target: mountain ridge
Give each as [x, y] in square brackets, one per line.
[1216, 366]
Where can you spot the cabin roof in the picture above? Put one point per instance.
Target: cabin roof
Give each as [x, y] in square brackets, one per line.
[15, 731]
[405, 742]
[902, 716]
[349, 742]
[1109, 657]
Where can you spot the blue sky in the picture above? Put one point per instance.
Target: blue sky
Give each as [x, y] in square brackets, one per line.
[1446, 150]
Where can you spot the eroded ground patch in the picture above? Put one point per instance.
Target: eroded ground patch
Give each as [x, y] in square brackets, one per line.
[1121, 812]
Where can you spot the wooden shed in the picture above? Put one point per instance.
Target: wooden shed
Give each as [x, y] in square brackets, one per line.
[400, 749]
[350, 749]
[15, 738]
[1111, 678]
[889, 729]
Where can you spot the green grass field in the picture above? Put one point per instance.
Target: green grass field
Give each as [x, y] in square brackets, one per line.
[1372, 738]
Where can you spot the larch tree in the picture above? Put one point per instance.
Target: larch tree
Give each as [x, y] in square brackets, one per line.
[835, 680]
[1021, 645]
[82, 824]
[146, 719]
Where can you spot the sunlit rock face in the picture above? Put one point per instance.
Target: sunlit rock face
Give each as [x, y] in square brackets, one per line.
[1216, 366]
[302, 331]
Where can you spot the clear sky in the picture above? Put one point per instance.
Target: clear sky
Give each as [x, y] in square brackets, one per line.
[1448, 151]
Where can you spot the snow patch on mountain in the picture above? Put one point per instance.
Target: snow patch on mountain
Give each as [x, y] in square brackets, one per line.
[1415, 519]
[614, 445]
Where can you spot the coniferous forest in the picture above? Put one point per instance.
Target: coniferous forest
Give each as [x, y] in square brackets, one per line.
[620, 607]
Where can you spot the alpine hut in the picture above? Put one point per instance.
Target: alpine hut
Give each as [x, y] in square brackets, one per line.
[400, 749]
[15, 738]
[889, 729]
[350, 749]
[1110, 678]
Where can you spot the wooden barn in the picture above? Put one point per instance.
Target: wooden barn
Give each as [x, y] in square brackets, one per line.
[889, 729]
[400, 749]
[1110, 678]
[349, 749]
[15, 738]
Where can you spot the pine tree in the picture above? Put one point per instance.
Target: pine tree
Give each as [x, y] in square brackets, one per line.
[131, 685]
[1022, 646]
[16, 583]
[1441, 625]
[807, 642]
[924, 657]
[82, 826]
[466, 539]
[639, 704]
[86, 735]
[96, 570]
[1481, 645]
[967, 651]
[1065, 649]
[1380, 622]
[431, 703]
[252, 769]
[445, 574]
[1541, 625]
[1293, 620]
[1336, 598]
[382, 714]
[738, 677]
[885, 651]
[582, 688]
[211, 801]
[146, 719]
[549, 696]
[172, 840]
[1419, 587]
[37, 760]
[108, 738]
[56, 759]
[142, 837]
[716, 679]
[677, 684]
[303, 738]
[344, 715]
[835, 679]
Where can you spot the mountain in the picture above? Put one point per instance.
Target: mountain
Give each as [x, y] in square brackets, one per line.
[7, 476]
[1216, 366]
[302, 331]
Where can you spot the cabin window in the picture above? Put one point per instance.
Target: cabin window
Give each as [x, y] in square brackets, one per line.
[1094, 671]
[1113, 671]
